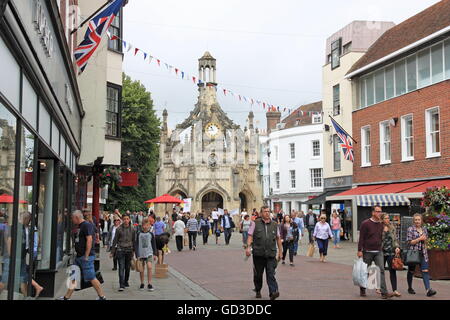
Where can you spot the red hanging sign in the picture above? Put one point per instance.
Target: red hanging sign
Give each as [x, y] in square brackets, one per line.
[129, 179]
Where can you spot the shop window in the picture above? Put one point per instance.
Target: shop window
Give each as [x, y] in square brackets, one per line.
[45, 212]
[9, 84]
[7, 170]
[29, 103]
[27, 239]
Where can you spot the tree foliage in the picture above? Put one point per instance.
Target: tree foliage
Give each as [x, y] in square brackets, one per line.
[140, 146]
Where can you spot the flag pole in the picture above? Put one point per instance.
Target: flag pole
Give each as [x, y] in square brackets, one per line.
[90, 17]
[343, 129]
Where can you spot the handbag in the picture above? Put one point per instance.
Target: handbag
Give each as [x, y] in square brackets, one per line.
[133, 264]
[397, 263]
[311, 250]
[412, 257]
[341, 233]
[139, 265]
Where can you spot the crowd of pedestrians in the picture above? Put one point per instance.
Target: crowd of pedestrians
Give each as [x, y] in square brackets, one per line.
[139, 240]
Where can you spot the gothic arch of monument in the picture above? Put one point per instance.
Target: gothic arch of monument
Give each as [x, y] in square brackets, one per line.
[180, 188]
[212, 187]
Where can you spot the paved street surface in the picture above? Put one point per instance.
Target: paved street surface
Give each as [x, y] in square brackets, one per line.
[175, 287]
[223, 271]
[220, 272]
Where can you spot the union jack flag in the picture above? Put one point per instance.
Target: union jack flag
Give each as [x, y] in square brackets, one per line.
[346, 141]
[98, 26]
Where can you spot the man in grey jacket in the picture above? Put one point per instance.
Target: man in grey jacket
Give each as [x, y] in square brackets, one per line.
[123, 247]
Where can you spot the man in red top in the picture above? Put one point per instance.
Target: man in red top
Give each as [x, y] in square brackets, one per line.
[370, 247]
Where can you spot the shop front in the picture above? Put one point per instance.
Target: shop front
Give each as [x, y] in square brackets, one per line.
[40, 122]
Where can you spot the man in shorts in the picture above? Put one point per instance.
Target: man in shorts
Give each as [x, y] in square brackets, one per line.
[84, 240]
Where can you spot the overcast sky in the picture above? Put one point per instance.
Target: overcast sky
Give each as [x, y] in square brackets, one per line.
[268, 50]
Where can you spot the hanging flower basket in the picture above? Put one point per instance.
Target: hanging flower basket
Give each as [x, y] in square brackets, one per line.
[110, 176]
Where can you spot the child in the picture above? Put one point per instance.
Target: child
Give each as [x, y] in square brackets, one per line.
[145, 248]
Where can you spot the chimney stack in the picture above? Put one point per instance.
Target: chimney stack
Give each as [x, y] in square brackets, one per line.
[273, 117]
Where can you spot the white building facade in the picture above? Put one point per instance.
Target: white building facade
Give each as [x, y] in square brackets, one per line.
[292, 166]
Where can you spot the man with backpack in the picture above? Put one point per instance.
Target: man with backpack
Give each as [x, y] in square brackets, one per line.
[310, 224]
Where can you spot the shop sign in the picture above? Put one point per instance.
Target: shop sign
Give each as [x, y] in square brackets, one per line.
[338, 182]
[42, 27]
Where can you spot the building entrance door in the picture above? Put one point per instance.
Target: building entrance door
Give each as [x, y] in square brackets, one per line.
[210, 201]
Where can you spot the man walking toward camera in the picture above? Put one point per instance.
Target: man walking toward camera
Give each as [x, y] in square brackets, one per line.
[84, 240]
[370, 247]
[261, 236]
[123, 248]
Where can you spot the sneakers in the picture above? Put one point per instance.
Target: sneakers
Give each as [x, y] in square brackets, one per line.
[121, 289]
[101, 298]
[63, 298]
[283, 262]
[141, 287]
[411, 291]
[150, 288]
[127, 285]
[274, 295]
[431, 292]
[258, 295]
[291, 264]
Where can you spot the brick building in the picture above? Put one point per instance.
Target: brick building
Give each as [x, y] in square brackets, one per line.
[401, 116]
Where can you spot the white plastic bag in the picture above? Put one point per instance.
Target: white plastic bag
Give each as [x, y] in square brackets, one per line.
[360, 273]
[373, 279]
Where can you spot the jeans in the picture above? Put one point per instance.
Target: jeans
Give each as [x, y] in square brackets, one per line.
[311, 233]
[115, 261]
[259, 264]
[179, 241]
[205, 234]
[392, 272]
[244, 237]
[227, 234]
[377, 257]
[288, 245]
[425, 275]
[323, 246]
[336, 236]
[124, 259]
[192, 239]
[104, 236]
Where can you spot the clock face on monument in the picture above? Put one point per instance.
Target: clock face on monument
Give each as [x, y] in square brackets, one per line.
[212, 129]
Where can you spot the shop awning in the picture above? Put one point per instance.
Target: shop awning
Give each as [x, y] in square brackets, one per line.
[385, 200]
[321, 198]
[388, 192]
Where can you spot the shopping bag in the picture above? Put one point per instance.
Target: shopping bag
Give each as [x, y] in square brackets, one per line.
[133, 264]
[373, 278]
[311, 249]
[186, 241]
[210, 231]
[360, 273]
[139, 265]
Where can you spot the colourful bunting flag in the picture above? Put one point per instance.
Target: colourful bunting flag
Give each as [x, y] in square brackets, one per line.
[136, 51]
[159, 62]
[224, 92]
[176, 71]
[182, 75]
